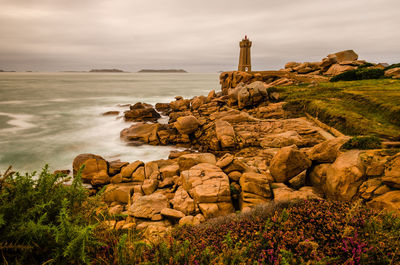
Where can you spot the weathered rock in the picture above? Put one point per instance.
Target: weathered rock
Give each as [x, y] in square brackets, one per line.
[287, 163]
[138, 175]
[317, 175]
[116, 178]
[392, 172]
[187, 124]
[225, 160]
[394, 72]
[255, 189]
[236, 165]
[327, 151]
[389, 201]
[141, 112]
[281, 140]
[116, 209]
[234, 175]
[291, 65]
[206, 183]
[210, 210]
[282, 193]
[298, 181]
[119, 192]
[344, 176]
[115, 167]
[336, 69]
[111, 113]
[183, 202]
[144, 132]
[368, 187]
[100, 178]
[348, 55]
[151, 170]
[149, 186]
[170, 171]
[186, 220]
[92, 165]
[148, 205]
[172, 213]
[180, 104]
[127, 171]
[225, 134]
[187, 161]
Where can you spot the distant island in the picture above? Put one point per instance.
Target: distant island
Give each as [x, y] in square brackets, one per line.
[162, 71]
[106, 71]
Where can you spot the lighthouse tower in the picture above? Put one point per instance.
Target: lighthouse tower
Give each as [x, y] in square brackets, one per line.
[244, 57]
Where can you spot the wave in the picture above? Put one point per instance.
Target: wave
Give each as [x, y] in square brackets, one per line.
[18, 122]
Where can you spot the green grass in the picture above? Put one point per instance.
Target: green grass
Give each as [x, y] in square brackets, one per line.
[365, 107]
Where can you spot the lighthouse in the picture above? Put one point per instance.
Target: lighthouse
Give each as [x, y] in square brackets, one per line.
[244, 57]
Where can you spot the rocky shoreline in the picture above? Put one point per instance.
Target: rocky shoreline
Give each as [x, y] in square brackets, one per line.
[243, 149]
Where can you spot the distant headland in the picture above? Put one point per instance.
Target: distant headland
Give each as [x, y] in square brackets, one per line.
[162, 71]
[106, 71]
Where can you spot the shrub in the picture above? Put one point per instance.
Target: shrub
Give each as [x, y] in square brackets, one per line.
[392, 66]
[42, 220]
[363, 143]
[359, 74]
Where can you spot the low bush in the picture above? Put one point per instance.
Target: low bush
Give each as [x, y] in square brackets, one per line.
[392, 66]
[307, 232]
[359, 74]
[363, 143]
[44, 220]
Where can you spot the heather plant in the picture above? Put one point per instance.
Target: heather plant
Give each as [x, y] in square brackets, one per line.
[307, 232]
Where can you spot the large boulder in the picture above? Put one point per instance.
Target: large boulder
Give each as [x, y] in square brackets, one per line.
[183, 202]
[119, 192]
[206, 183]
[93, 164]
[347, 55]
[394, 72]
[211, 210]
[389, 201]
[283, 193]
[187, 124]
[141, 112]
[248, 95]
[147, 206]
[189, 160]
[143, 132]
[336, 69]
[287, 163]
[344, 176]
[225, 134]
[127, 170]
[327, 151]
[255, 189]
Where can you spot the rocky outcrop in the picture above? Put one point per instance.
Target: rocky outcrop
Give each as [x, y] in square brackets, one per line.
[147, 206]
[95, 169]
[255, 189]
[287, 163]
[344, 176]
[327, 151]
[142, 132]
[141, 112]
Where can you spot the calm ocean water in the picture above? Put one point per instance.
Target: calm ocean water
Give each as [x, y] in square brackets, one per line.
[49, 118]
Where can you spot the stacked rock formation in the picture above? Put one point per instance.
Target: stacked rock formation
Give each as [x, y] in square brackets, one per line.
[244, 151]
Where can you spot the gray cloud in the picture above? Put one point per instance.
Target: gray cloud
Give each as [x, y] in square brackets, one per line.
[200, 36]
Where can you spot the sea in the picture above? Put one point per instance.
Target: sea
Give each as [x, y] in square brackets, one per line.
[50, 118]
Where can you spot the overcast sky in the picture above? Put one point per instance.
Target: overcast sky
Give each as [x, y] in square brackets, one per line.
[199, 36]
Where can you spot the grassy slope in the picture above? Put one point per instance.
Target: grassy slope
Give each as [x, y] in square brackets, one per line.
[366, 107]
